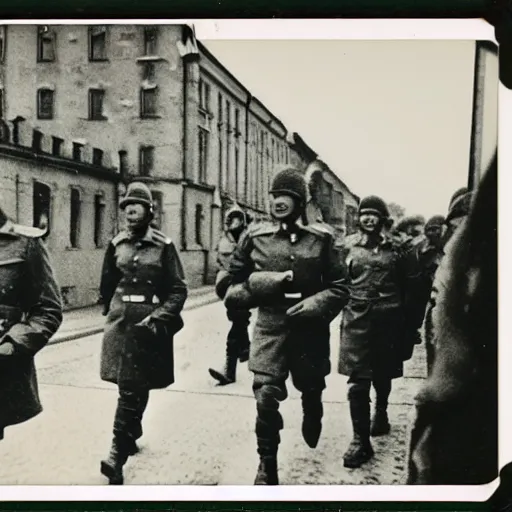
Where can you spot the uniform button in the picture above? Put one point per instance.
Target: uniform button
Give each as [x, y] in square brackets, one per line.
[135, 258]
[292, 257]
[134, 280]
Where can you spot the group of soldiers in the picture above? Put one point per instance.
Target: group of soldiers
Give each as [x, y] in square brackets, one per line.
[295, 274]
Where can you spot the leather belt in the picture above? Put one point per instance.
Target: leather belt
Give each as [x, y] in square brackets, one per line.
[140, 299]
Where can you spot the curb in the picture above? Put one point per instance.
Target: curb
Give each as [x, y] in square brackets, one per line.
[200, 301]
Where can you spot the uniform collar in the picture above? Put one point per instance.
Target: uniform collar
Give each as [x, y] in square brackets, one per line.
[148, 236]
[362, 239]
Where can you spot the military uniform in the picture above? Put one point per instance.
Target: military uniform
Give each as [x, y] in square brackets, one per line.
[281, 266]
[143, 290]
[238, 343]
[30, 313]
[373, 340]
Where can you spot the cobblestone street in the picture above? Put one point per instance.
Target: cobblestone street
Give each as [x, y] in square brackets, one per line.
[194, 432]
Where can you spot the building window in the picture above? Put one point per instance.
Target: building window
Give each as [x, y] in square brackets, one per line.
[237, 123]
[99, 220]
[199, 224]
[97, 157]
[3, 30]
[123, 162]
[150, 40]
[45, 44]
[37, 139]
[98, 43]
[157, 213]
[148, 102]
[203, 154]
[204, 96]
[2, 107]
[45, 98]
[41, 201]
[77, 151]
[56, 145]
[146, 160]
[96, 99]
[148, 72]
[74, 218]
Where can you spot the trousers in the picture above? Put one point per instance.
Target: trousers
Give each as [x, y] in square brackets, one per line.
[269, 391]
[238, 335]
[131, 404]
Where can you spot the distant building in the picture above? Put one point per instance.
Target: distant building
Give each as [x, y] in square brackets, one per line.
[163, 110]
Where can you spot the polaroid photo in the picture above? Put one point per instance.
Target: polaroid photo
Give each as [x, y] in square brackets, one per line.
[236, 254]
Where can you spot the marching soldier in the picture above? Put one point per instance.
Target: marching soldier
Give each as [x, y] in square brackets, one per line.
[292, 273]
[143, 291]
[373, 330]
[30, 313]
[237, 346]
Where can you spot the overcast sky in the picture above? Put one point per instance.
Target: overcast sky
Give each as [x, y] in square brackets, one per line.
[391, 118]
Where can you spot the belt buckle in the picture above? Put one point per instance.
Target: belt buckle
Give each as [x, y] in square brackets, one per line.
[296, 295]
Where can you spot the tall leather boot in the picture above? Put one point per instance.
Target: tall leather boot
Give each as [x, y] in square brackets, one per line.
[313, 411]
[228, 375]
[112, 467]
[360, 449]
[267, 469]
[380, 423]
[244, 345]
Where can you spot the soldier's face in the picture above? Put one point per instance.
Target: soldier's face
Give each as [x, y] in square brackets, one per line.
[136, 215]
[235, 223]
[282, 206]
[369, 222]
[434, 234]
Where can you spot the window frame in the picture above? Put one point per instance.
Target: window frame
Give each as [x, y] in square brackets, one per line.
[46, 34]
[74, 234]
[99, 220]
[203, 136]
[45, 209]
[142, 98]
[146, 150]
[101, 94]
[148, 31]
[40, 113]
[91, 34]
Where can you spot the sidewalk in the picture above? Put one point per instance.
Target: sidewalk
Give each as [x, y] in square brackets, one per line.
[78, 323]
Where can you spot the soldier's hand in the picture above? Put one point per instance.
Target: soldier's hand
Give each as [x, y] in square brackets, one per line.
[6, 349]
[308, 308]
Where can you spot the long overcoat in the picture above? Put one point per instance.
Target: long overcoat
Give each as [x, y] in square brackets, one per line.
[141, 277]
[30, 313]
[317, 278]
[373, 330]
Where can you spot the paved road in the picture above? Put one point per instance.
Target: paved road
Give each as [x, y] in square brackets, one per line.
[194, 432]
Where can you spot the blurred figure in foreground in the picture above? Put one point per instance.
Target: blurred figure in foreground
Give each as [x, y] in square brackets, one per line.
[454, 438]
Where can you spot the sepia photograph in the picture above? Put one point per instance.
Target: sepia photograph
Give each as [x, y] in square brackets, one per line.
[241, 261]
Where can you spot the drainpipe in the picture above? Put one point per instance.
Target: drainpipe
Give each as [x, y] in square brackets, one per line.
[246, 170]
[18, 198]
[184, 170]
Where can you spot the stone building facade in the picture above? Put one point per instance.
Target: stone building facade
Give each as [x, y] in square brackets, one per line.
[75, 199]
[163, 110]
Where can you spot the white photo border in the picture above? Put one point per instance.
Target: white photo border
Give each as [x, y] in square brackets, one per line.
[367, 29]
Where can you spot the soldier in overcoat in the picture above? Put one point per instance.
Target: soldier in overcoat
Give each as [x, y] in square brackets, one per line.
[292, 273]
[30, 313]
[373, 330]
[143, 290]
[238, 343]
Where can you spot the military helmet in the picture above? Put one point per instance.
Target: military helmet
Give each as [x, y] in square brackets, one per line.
[459, 204]
[291, 182]
[137, 193]
[235, 210]
[375, 205]
[435, 221]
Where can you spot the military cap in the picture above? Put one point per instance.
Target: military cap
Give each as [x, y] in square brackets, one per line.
[375, 205]
[137, 193]
[290, 181]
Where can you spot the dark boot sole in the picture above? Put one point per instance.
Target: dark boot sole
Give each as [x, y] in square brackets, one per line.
[114, 477]
[220, 378]
[353, 464]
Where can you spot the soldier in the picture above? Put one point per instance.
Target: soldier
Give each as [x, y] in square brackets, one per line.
[458, 210]
[424, 258]
[237, 346]
[30, 313]
[143, 290]
[292, 273]
[373, 330]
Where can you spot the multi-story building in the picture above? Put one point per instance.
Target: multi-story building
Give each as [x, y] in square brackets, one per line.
[75, 200]
[162, 109]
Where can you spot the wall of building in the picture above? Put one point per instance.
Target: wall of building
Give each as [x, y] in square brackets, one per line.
[72, 74]
[77, 267]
